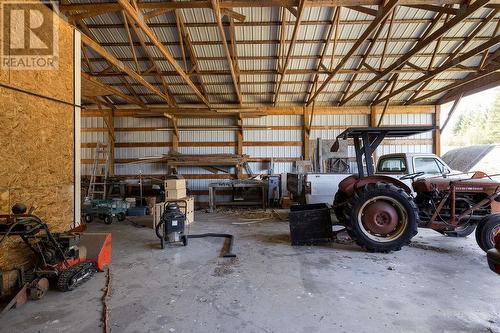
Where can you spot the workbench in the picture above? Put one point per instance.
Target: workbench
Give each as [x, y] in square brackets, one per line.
[237, 184]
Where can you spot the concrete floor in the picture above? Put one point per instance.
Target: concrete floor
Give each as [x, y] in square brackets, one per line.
[438, 284]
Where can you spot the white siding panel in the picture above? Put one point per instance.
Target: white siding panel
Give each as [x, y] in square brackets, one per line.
[272, 135]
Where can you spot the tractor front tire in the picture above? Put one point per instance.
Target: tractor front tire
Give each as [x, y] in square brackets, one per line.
[88, 218]
[108, 219]
[486, 230]
[381, 217]
[339, 204]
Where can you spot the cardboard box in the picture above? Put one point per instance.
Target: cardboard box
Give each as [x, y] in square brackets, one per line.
[175, 184]
[175, 194]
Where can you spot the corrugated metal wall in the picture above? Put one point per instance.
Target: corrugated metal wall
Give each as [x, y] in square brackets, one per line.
[282, 141]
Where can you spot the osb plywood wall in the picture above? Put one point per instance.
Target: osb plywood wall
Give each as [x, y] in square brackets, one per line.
[37, 144]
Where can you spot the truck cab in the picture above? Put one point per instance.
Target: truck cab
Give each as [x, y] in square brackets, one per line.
[408, 163]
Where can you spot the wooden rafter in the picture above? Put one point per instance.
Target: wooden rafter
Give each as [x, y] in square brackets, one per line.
[381, 15]
[218, 19]
[433, 8]
[135, 16]
[362, 62]
[192, 57]
[120, 65]
[154, 66]
[291, 46]
[422, 44]
[386, 105]
[333, 28]
[387, 38]
[457, 49]
[181, 38]
[234, 50]
[131, 41]
[493, 42]
[111, 90]
[113, 7]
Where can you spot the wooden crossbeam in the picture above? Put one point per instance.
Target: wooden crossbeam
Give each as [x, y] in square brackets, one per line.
[491, 43]
[192, 56]
[363, 60]
[232, 14]
[135, 16]
[110, 89]
[456, 51]
[333, 28]
[121, 66]
[364, 10]
[422, 44]
[112, 7]
[222, 33]
[291, 46]
[381, 15]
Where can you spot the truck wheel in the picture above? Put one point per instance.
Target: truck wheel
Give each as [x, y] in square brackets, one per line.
[88, 218]
[108, 219]
[461, 231]
[486, 231]
[382, 217]
[120, 217]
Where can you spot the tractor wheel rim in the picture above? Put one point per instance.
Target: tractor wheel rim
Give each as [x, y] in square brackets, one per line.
[386, 225]
[494, 233]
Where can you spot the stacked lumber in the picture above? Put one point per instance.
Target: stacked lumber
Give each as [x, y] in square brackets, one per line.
[175, 159]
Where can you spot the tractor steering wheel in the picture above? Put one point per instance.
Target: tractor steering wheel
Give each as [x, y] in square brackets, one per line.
[412, 176]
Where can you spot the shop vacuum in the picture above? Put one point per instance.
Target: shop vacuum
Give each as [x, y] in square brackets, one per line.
[171, 229]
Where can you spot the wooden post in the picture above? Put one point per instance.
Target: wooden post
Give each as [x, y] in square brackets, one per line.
[373, 123]
[239, 146]
[111, 142]
[175, 135]
[305, 131]
[437, 131]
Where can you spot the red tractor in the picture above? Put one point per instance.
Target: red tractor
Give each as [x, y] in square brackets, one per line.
[382, 214]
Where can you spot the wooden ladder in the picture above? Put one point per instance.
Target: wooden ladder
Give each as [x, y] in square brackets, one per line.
[99, 177]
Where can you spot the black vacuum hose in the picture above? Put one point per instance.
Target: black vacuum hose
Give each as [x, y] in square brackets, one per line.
[229, 253]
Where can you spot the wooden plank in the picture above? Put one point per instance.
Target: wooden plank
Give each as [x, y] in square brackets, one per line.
[88, 83]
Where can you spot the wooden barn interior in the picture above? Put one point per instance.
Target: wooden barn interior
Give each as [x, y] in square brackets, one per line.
[185, 166]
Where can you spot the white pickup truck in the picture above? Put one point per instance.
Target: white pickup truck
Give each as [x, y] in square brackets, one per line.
[321, 187]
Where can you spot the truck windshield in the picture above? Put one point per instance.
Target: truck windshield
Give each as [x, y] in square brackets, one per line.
[392, 164]
[428, 165]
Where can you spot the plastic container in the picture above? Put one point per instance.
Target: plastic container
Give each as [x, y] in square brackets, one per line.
[310, 224]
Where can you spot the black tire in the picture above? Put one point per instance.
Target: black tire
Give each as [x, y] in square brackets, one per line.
[461, 232]
[88, 218]
[339, 204]
[108, 219]
[184, 239]
[162, 243]
[120, 217]
[486, 231]
[389, 195]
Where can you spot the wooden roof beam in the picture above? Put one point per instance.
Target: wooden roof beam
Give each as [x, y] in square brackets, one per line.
[121, 66]
[112, 7]
[424, 42]
[382, 13]
[111, 90]
[434, 8]
[333, 27]
[491, 43]
[233, 15]
[457, 50]
[363, 59]
[192, 57]
[136, 17]
[298, 20]
[222, 33]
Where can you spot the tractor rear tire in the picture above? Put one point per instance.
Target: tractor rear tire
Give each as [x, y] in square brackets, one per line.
[339, 204]
[486, 230]
[381, 217]
[464, 232]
